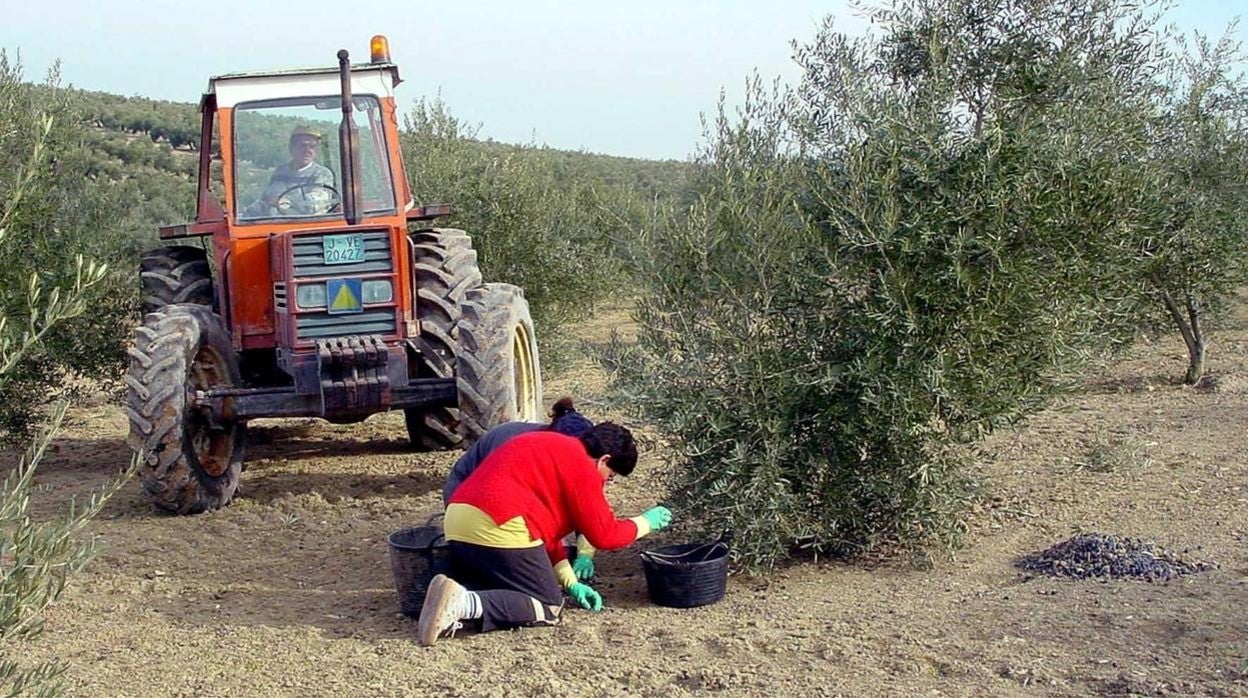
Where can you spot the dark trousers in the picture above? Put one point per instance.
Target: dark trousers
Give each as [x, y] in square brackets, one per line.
[517, 586]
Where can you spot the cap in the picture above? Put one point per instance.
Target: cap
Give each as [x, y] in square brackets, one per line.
[305, 131]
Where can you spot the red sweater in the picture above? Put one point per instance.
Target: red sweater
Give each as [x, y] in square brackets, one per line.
[551, 481]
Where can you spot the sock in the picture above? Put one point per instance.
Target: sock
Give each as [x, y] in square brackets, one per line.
[470, 606]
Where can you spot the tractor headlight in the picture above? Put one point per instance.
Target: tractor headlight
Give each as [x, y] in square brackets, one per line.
[377, 291]
[310, 296]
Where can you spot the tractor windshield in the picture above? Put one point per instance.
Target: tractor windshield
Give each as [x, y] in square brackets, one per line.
[287, 163]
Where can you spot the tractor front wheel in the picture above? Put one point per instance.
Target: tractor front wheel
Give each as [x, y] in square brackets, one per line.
[444, 267]
[498, 371]
[190, 463]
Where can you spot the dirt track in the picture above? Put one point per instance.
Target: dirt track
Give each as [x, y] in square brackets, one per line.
[288, 591]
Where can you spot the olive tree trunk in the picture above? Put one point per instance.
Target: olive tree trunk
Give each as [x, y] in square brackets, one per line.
[1193, 333]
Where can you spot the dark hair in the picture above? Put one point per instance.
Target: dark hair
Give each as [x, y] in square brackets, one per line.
[609, 439]
[560, 408]
[566, 420]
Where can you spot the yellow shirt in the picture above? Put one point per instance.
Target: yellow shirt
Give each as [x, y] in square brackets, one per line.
[468, 524]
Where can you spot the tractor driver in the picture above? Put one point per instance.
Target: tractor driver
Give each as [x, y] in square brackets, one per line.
[300, 187]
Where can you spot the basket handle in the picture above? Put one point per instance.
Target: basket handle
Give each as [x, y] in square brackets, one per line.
[655, 556]
[441, 534]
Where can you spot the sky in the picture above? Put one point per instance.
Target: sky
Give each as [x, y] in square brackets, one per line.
[622, 78]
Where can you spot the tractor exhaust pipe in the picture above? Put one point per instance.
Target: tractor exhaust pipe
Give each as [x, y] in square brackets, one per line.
[348, 145]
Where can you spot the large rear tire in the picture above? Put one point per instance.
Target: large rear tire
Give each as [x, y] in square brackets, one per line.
[499, 373]
[189, 465]
[444, 267]
[174, 274]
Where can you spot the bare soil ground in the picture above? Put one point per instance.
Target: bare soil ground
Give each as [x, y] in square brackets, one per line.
[288, 591]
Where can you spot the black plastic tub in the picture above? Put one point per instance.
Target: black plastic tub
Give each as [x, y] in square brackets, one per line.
[688, 575]
[416, 555]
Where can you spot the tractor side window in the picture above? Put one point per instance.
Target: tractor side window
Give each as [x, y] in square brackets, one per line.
[377, 194]
[287, 159]
[216, 171]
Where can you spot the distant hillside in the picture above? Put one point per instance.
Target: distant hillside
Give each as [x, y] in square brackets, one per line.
[147, 140]
[649, 177]
[174, 123]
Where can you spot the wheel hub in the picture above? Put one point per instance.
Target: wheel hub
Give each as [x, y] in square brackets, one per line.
[212, 444]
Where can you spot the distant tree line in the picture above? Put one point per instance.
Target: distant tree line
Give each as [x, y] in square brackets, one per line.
[175, 123]
[563, 226]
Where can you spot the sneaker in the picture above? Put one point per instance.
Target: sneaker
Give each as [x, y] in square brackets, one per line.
[440, 613]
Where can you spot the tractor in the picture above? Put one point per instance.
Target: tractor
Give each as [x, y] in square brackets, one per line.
[318, 288]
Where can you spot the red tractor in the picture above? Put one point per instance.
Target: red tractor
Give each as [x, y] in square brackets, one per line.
[325, 291]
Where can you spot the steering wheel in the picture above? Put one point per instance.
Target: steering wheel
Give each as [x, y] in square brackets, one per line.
[284, 204]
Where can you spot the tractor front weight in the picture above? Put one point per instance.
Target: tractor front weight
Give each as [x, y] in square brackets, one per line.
[345, 379]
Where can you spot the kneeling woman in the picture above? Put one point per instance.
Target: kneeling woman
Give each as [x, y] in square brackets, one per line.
[505, 526]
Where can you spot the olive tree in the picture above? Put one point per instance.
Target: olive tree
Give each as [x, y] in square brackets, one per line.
[37, 558]
[56, 210]
[529, 226]
[1196, 255]
[883, 264]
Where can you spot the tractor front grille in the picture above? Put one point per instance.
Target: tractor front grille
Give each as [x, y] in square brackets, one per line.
[318, 325]
[279, 296]
[309, 255]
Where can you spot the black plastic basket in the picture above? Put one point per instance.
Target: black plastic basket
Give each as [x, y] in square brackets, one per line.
[688, 575]
[416, 555]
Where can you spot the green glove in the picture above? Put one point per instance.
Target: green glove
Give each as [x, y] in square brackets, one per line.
[659, 518]
[585, 595]
[583, 566]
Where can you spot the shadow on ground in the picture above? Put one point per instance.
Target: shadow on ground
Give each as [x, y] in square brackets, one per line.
[269, 444]
[265, 488]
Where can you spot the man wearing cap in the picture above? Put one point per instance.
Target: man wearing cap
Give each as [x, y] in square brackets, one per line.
[301, 186]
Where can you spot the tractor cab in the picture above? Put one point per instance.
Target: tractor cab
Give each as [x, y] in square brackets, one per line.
[318, 288]
[302, 153]
[283, 150]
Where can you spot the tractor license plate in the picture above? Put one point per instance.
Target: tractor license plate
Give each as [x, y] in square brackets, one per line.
[344, 249]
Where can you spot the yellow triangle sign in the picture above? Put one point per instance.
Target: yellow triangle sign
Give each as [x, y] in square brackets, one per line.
[344, 299]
